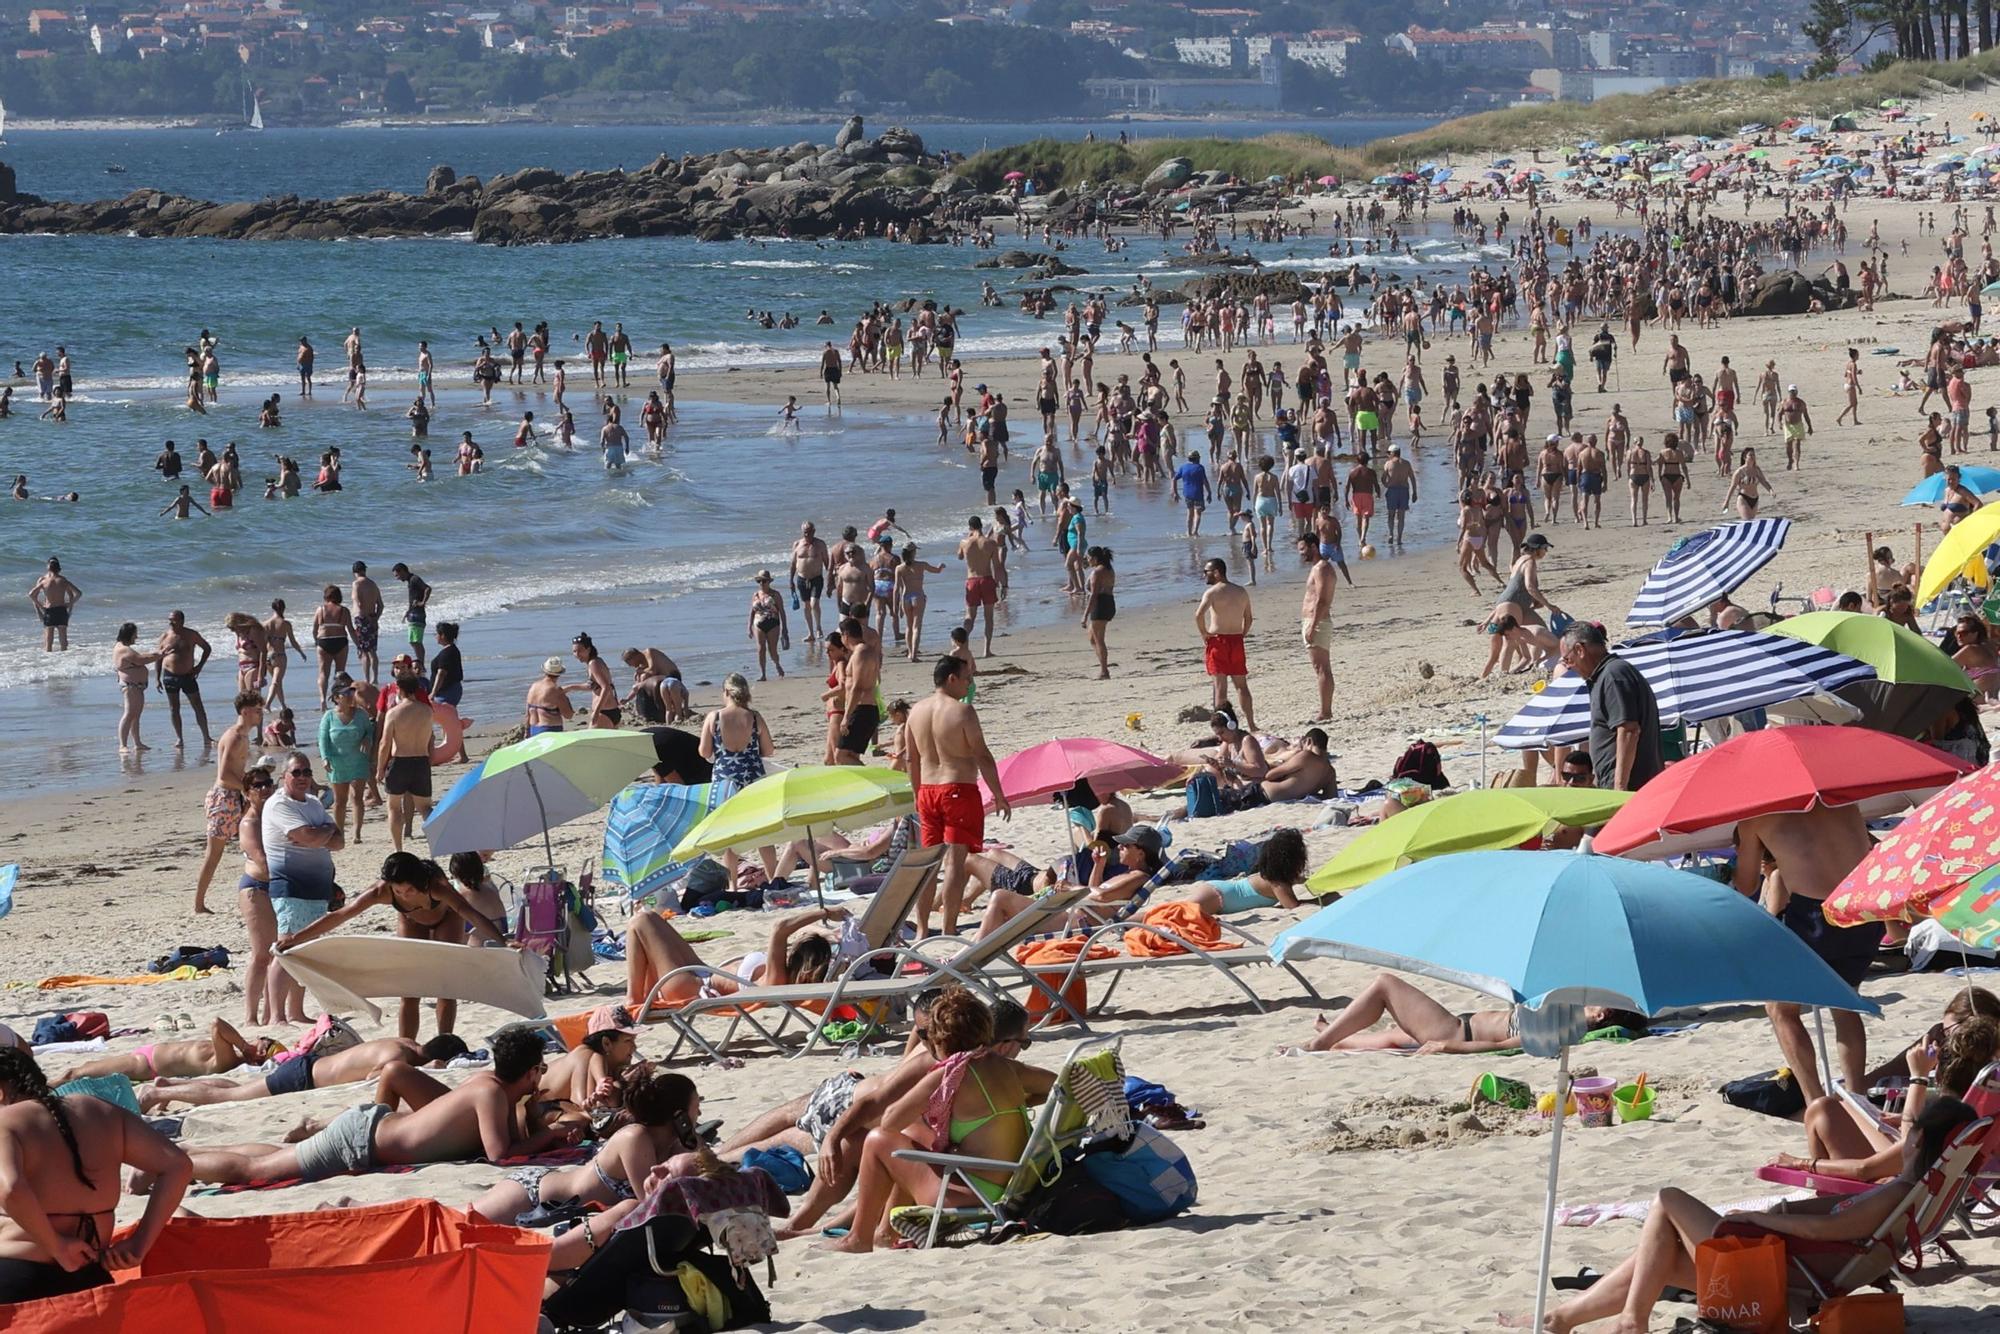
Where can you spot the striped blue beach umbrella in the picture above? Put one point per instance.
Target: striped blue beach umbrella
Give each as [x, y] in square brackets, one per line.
[1695, 677]
[642, 826]
[1705, 566]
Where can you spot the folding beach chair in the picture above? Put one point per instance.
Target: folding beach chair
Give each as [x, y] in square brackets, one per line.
[1089, 916]
[1059, 1125]
[974, 964]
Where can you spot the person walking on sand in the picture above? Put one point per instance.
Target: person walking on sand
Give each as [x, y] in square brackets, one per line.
[224, 804]
[1850, 381]
[403, 757]
[946, 753]
[54, 598]
[767, 626]
[278, 635]
[909, 589]
[1223, 618]
[1796, 421]
[1316, 621]
[1101, 605]
[1743, 486]
[981, 554]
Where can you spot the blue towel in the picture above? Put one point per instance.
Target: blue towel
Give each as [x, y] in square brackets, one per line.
[114, 1089]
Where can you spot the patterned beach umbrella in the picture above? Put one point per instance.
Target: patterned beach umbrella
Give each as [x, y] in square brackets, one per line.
[1972, 912]
[1943, 845]
[644, 823]
[1705, 566]
[1694, 677]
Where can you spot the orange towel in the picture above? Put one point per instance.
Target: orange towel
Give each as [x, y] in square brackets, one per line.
[571, 1028]
[1184, 920]
[1058, 953]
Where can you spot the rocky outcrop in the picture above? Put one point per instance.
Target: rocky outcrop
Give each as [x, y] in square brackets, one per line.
[1792, 293]
[1169, 175]
[804, 190]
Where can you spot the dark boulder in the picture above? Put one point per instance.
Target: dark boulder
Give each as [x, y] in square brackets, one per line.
[442, 178]
[850, 133]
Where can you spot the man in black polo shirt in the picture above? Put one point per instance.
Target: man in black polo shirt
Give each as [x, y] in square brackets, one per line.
[1624, 715]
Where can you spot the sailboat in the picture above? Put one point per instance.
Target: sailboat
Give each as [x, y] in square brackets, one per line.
[3, 122]
[256, 112]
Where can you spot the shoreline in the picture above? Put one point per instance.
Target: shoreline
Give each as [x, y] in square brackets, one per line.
[211, 121]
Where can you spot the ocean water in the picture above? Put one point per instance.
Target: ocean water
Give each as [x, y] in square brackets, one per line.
[543, 544]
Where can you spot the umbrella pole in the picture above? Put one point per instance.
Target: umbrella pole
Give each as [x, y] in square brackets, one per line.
[812, 868]
[1482, 750]
[1825, 1058]
[548, 848]
[1549, 1206]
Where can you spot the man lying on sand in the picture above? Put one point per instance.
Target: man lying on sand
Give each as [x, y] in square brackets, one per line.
[222, 1050]
[365, 1060]
[1421, 1023]
[478, 1119]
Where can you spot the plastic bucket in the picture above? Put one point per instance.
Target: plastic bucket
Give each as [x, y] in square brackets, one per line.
[1593, 1099]
[1631, 1108]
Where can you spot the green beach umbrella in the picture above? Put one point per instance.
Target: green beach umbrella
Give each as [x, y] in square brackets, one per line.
[532, 786]
[791, 805]
[1504, 817]
[1972, 911]
[1915, 682]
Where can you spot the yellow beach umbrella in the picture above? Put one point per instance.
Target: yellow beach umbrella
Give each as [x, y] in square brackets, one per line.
[1504, 817]
[1959, 550]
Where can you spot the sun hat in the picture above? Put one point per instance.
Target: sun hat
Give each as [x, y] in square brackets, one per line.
[553, 667]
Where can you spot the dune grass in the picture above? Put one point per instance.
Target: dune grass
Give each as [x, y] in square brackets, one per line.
[1711, 106]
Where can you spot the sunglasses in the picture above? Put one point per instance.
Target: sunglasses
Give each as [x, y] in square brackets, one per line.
[298, 773]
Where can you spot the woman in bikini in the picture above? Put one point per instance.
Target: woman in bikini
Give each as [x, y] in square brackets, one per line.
[427, 906]
[1101, 606]
[662, 1111]
[68, 1154]
[332, 628]
[1121, 866]
[130, 666]
[1417, 1021]
[278, 636]
[593, 1073]
[1554, 470]
[1520, 513]
[1673, 464]
[910, 574]
[973, 1102]
[1976, 655]
[654, 950]
[1639, 474]
[250, 649]
[1472, 537]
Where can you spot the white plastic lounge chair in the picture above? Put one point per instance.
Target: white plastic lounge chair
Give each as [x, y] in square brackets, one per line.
[1252, 953]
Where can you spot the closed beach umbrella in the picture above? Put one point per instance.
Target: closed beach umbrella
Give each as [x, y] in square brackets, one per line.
[799, 803]
[1694, 677]
[1552, 932]
[1705, 566]
[532, 786]
[1968, 538]
[1936, 851]
[1697, 802]
[1057, 766]
[1490, 818]
[1915, 682]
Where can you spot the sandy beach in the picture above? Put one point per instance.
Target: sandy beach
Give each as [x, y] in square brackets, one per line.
[1335, 1192]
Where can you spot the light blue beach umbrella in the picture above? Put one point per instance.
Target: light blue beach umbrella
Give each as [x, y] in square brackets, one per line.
[8, 875]
[1440, 176]
[532, 786]
[644, 823]
[1552, 932]
[1979, 481]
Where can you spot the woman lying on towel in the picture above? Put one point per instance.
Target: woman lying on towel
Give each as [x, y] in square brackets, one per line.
[653, 949]
[1679, 1223]
[664, 1109]
[974, 1102]
[1014, 884]
[1420, 1023]
[1280, 865]
[427, 906]
[1842, 1141]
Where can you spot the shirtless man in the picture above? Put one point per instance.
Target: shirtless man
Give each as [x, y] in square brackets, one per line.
[224, 803]
[829, 374]
[1316, 621]
[54, 597]
[808, 577]
[301, 1073]
[860, 715]
[981, 553]
[403, 756]
[1223, 618]
[366, 600]
[1674, 364]
[1399, 492]
[653, 670]
[1810, 854]
[183, 653]
[61, 1159]
[480, 1118]
[852, 584]
[1726, 391]
[947, 756]
[1303, 771]
[597, 348]
[1797, 423]
[1590, 484]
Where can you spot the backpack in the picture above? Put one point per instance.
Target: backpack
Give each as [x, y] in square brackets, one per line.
[1074, 1204]
[745, 1237]
[1421, 761]
[1148, 1174]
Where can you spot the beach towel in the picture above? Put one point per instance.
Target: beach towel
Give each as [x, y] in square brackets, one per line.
[1095, 1086]
[1590, 1215]
[1184, 920]
[64, 981]
[554, 1158]
[114, 1089]
[1058, 954]
[344, 972]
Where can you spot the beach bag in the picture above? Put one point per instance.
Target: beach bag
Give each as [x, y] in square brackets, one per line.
[783, 1164]
[1420, 761]
[700, 1291]
[1861, 1313]
[745, 1236]
[1740, 1284]
[1074, 1204]
[1148, 1173]
[1774, 1093]
[1204, 800]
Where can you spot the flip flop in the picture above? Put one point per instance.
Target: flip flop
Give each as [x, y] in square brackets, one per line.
[184, 1022]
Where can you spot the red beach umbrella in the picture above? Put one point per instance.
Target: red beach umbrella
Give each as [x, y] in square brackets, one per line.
[1055, 766]
[1941, 847]
[1697, 803]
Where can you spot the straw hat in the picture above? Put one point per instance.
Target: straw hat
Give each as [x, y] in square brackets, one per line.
[763, 577]
[553, 667]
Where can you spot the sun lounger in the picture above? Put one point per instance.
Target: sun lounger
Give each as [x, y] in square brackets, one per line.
[1059, 1125]
[1106, 915]
[1228, 962]
[862, 984]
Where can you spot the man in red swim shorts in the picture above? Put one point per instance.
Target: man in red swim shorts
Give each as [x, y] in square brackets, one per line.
[1223, 619]
[947, 756]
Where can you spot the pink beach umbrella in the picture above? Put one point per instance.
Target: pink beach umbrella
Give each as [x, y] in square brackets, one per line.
[1014, 176]
[1055, 766]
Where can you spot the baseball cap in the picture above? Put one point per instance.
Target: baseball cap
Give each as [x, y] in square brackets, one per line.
[1142, 836]
[609, 1019]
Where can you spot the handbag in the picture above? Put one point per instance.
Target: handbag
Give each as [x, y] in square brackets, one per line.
[1861, 1313]
[1740, 1284]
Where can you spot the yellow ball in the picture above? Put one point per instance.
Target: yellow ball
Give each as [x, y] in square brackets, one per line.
[1368, 551]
